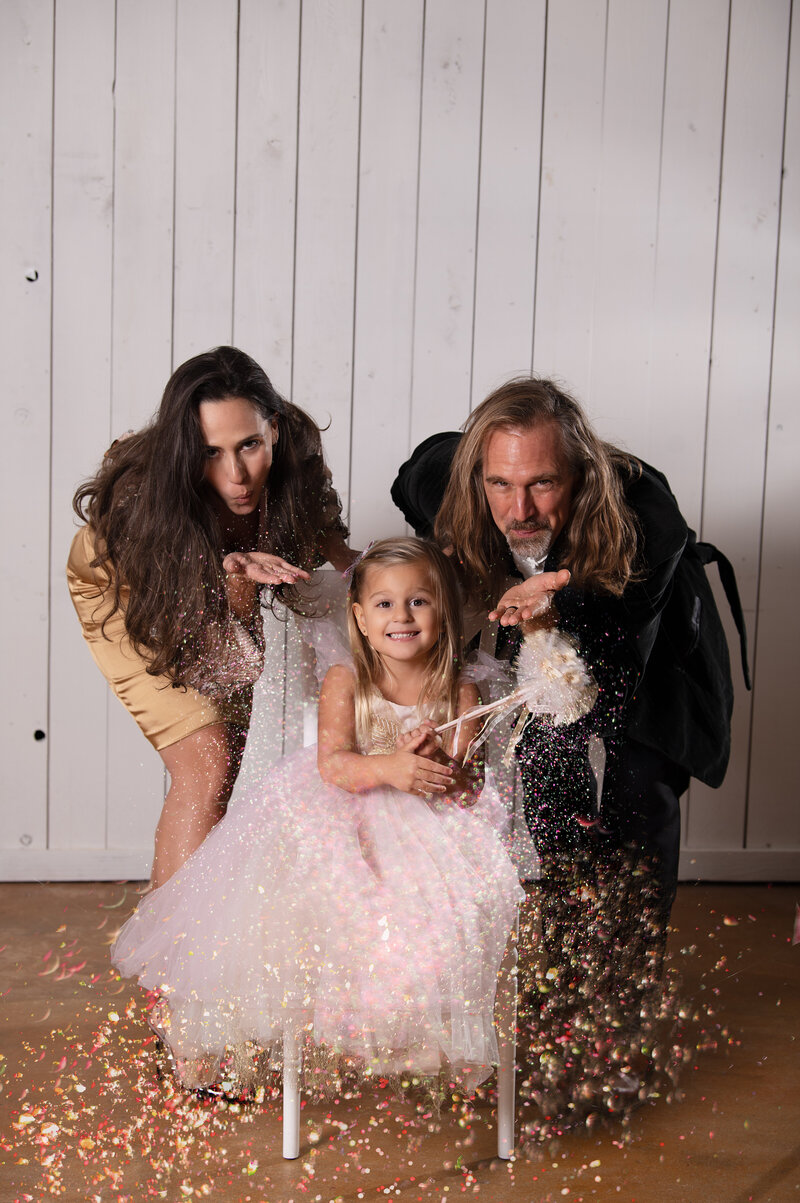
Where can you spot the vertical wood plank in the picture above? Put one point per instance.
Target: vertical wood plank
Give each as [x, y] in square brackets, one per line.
[773, 819]
[741, 350]
[509, 192]
[627, 216]
[266, 165]
[685, 254]
[26, 71]
[327, 199]
[83, 164]
[448, 198]
[571, 175]
[748, 232]
[205, 175]
[384, 313]
[141, 330]
[143, 212]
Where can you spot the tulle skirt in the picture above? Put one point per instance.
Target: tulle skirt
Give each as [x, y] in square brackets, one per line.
[375, 922]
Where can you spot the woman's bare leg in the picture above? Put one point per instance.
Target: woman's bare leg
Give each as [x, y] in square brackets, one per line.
[202, 770]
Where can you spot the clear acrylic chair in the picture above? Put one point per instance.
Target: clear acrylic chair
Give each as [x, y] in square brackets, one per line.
[506, 1023]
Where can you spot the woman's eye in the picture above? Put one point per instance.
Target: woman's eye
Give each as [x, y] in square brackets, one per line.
[210, 452]
[254, 442]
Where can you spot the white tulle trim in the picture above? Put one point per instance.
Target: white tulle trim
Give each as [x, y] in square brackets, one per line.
[384, 1044]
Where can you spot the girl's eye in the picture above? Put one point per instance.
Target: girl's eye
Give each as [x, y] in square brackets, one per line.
[382, 604]
[419, 601]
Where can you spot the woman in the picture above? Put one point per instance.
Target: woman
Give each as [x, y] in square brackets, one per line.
[226, 489]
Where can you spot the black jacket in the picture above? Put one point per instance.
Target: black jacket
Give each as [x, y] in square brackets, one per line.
[659, 652]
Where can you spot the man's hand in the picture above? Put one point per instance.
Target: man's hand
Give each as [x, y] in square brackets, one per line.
[530, 600]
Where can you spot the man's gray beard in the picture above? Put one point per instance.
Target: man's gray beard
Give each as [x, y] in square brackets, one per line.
[535, 547]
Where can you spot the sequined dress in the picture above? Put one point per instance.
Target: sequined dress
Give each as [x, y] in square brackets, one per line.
[377, 921]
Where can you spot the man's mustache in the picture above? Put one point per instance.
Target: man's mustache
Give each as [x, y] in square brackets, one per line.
[526, 528]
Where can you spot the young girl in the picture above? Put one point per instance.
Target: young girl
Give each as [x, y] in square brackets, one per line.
[359, 898]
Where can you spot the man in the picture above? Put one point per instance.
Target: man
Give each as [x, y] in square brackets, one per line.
[597, 549]
[598, 544]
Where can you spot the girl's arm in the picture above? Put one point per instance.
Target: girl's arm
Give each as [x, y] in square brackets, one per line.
[340, 764]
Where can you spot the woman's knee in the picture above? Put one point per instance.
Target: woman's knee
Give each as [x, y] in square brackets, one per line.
[205, 764]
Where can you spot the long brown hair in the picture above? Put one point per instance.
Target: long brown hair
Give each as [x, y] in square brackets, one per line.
[439, 694]
[599, 541]
[157, 534]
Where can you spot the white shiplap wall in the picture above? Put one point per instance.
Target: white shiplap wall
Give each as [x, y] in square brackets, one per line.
[394, 207]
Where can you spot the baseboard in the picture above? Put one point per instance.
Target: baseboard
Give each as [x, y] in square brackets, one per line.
[78, 864]
[749, 864]
[696, 864]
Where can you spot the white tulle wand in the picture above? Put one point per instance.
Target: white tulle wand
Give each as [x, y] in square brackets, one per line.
[552, 679]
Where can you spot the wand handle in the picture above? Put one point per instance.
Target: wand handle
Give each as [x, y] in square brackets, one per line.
[510, 699]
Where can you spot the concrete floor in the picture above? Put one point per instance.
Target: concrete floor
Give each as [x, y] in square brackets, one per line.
[85, 1116]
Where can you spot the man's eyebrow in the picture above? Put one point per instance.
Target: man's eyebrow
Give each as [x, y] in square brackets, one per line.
[497, 477]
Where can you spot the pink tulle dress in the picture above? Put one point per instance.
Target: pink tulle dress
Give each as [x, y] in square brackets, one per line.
[377, 922]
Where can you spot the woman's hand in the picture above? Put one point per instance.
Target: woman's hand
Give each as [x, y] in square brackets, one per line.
[530, 600]
[263, 568]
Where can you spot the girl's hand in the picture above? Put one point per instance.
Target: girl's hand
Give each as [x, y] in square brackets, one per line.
[414, 774]
[263, 568]
[530, 600]
[423, 740]
[341, 765]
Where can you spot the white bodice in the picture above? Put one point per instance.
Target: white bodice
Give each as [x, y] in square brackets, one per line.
[389, 720]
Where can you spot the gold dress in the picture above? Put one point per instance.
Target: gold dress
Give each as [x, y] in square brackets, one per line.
[164, 713]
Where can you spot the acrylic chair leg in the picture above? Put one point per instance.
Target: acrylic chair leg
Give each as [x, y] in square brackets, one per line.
[507, 1048]
[292, 1065]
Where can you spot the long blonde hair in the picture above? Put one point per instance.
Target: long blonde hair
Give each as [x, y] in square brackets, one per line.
[438, 697]
[600, 537]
